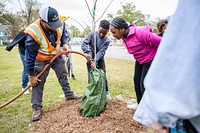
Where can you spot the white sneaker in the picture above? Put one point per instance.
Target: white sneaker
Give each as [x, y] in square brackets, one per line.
[26, 92]
[108, 95]
[132, 106]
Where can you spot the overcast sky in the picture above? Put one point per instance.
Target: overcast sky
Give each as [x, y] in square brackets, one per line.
[77, 9]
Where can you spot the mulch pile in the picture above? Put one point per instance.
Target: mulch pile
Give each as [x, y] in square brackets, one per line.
[65, 118]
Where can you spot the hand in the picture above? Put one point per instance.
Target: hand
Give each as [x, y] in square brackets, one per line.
[34, 80]
[92, 65]
[159, 128]
[89, 57]
[65, 49]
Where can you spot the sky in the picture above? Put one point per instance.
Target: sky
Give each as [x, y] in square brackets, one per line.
[77, 9]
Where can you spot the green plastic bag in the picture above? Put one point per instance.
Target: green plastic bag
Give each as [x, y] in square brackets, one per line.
[94, 98]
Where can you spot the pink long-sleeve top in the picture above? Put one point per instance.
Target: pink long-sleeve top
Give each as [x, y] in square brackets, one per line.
[141, 43]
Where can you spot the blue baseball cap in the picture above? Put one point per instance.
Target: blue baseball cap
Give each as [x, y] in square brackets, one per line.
[50, 15]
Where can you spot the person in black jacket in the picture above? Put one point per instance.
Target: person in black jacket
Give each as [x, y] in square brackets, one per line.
[20, 40]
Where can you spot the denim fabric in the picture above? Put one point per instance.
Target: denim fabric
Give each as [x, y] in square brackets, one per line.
[140, 114]
[25, 78]
[172, 82]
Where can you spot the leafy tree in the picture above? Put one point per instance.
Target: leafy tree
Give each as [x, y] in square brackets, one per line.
[86, 31]
[130, 14]
[75, 32]
[26, 12]
[14, 21]
[2, 11]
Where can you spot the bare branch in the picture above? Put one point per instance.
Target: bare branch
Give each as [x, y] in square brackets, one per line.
[20, 7]
[105, 10]
[85, 23]
[78, 23]
[88, 8]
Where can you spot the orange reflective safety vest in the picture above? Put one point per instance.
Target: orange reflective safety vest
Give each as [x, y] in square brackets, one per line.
[46, 50]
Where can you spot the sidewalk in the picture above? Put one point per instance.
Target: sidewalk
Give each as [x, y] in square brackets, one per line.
[119, 52]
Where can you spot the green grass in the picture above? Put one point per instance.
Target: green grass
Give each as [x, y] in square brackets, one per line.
[16, 117]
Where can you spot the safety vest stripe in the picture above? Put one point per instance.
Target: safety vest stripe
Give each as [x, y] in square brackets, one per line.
[38, 32]
[42, 35]
[46, 50]
[32, 33]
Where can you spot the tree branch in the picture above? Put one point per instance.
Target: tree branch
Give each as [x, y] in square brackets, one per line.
[105, 10]
[78, 23]
[88, 8]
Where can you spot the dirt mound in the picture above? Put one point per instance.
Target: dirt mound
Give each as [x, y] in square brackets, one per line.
[65, 118]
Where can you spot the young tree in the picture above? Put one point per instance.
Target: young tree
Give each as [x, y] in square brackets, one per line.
[93, 15]
[75, 32]
[86, 31]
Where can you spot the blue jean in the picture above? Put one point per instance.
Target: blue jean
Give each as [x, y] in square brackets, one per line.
[25, 78]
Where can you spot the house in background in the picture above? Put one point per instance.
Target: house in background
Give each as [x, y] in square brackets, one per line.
[4, 34]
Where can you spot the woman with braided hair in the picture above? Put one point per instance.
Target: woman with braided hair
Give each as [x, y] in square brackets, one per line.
[142, 44]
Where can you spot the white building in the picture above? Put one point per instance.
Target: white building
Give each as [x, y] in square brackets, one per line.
[4, 34]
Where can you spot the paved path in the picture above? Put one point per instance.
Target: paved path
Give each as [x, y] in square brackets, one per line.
[112, 51]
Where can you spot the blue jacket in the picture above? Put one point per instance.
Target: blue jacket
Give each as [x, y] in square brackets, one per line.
[20, 40]
[101, 46]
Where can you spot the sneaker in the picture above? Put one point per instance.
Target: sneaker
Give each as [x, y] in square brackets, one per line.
[132, 106]
[73, 77]
[108, 95]
[37, 115]
[26, 92]
[73, 97]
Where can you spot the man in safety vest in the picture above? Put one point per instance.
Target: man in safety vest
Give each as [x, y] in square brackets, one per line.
[44, 38]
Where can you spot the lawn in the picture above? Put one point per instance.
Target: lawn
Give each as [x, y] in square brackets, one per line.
[16, 117]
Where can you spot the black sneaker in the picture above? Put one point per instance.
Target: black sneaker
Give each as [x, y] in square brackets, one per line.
[73, 97]
[37, 115]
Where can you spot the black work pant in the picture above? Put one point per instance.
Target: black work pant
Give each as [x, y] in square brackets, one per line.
[100, 65]
[139, 75]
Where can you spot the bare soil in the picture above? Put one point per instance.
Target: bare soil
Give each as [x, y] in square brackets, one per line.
[65, 118]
